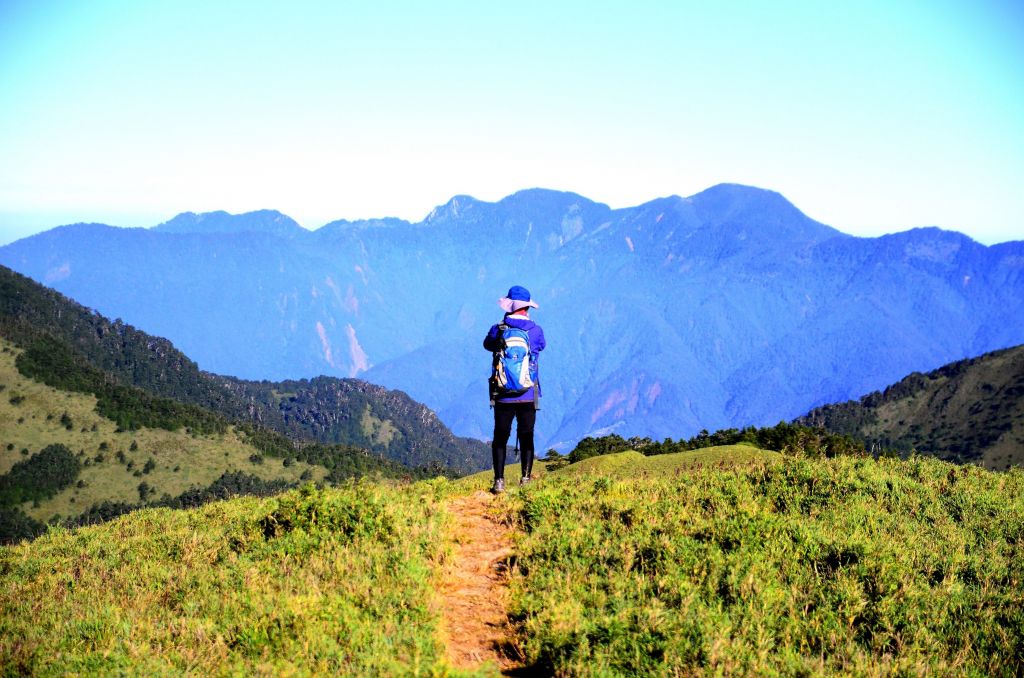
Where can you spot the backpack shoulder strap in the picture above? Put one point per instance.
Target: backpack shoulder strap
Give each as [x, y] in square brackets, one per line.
[502, 327]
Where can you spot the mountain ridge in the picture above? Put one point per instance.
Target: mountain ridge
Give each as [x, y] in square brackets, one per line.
[747, 315]
[970, 410]
[346, 414]
[261, 221]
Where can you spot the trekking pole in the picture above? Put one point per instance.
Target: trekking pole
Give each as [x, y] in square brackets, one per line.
[517, 441]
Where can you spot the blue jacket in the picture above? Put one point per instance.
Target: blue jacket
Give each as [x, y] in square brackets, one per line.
[493, 343]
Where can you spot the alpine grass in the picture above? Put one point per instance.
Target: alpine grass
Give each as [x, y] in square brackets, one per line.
[798, 566]
[314, 581]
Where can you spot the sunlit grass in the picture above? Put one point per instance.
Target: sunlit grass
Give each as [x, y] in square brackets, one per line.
[182, 460]
[787, 565]
[725, 560]
[338, 581]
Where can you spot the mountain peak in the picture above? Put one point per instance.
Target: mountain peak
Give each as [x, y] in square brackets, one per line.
[546, 200]
[726, 195]
[454, 208]
[729, 205]
[260, 221]
[544, 194]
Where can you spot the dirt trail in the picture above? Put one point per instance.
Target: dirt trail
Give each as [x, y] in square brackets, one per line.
[475, 588]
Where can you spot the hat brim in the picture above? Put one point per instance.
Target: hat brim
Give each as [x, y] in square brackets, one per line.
[511, 305]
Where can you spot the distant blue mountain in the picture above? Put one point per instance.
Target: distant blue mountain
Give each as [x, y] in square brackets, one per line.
[727, 308]
[262, 221]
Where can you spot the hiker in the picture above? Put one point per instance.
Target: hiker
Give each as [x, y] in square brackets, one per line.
[515, 387]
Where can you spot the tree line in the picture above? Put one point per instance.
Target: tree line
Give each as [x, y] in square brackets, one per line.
[784, 437]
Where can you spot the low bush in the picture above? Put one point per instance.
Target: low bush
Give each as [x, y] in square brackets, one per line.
[800, 566]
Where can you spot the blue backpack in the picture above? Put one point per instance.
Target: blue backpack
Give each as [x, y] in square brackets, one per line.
[514, 370]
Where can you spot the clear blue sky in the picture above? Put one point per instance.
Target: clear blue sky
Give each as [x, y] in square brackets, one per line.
[872, 117]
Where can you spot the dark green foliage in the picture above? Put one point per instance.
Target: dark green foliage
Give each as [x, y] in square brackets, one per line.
[56, 364]
[555, 461]
[17, 399]
[66, 422]
[16, 526]
[362, 515]
[29, 310]
[783, 437]
[230, 484]
[265, 440]
[346, 462]
[967, 411]
[333, 410]
[102, 512]
[134, 446]
[592, 447]
[149, 465]
[39, 477]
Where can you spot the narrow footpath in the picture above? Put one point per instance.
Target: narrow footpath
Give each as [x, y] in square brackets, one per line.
[475, 589]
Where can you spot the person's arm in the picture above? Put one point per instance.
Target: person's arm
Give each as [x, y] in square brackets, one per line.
[492, 342]
[537, 340]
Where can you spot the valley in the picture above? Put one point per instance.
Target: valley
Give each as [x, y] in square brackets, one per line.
[727, 308]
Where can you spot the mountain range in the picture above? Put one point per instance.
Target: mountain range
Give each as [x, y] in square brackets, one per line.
[726, 308]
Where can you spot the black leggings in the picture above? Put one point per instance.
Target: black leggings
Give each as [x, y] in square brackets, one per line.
[525, 415]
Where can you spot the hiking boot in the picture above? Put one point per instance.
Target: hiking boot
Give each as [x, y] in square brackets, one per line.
[524, 480]
[499, 486]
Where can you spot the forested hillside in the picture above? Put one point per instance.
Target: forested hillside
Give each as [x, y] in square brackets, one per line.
[968, 411]
[71, 347]
[68, 459]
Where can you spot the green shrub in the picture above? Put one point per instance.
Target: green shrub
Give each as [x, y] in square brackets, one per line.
[333, 582]
[845, 565]
[39, 477]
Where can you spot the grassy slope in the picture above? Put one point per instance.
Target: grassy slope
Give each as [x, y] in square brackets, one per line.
[688, 563]
[635, 465]
[787, 565]
[627, 464]
[960, 406]
[200, 459]
[968, 411]
[310, 582]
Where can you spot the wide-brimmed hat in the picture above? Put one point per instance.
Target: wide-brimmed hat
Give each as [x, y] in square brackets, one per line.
[517, 298]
